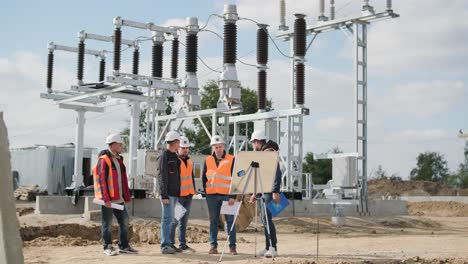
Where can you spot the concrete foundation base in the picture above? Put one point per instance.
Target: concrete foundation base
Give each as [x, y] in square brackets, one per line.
[152, 207]
[58, 205]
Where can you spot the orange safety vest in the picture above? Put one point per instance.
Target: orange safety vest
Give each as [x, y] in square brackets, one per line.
[186, 181]
[110, 179]
[218, 177]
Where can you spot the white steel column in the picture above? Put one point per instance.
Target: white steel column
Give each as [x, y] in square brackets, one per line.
[78, 169]
[134, 138]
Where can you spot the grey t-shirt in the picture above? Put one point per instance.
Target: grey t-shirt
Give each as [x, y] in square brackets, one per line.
[119, 174]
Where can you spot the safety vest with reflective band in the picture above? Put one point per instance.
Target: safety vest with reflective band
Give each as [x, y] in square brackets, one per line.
[110, 179]
[218, 177]
[186, 180]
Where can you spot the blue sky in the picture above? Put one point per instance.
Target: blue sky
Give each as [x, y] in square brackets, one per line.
[418, 84]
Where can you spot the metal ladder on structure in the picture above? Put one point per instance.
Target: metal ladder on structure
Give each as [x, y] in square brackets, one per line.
[360, 110]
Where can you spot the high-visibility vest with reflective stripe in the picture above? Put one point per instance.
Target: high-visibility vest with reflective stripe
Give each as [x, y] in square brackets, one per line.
[186, 181]
[218, 177]
[110, 179]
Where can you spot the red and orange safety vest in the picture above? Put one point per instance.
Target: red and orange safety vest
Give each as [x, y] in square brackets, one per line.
[111, 191]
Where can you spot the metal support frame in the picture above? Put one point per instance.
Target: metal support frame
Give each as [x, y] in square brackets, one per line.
[292, 181]
[219, 117]
[84, 98]
[78, 169]
[145, 81]
[354, 27]
[291, 138]
[360, 109]
[335, 24]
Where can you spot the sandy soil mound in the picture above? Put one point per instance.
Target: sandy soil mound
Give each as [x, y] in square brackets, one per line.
[379, 188]
[354, 226]
[445, 209]
[145, 231]
[409, 223]
[25, 211]
[60, 241]
[29, 233]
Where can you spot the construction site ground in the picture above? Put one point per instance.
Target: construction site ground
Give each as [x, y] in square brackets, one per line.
[427, 235]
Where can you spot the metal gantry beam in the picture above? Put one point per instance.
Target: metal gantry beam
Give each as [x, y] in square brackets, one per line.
[336, 24]
[97, 53]
[127, 42]
[118, 21]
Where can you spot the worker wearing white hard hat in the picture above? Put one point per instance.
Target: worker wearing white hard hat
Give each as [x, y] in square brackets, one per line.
[114, 138]
[169, 189]
[187, 190]
[259, 143]
[258, 135]
[111, 187]
[172, 136]
[216, 178]
[184, 142]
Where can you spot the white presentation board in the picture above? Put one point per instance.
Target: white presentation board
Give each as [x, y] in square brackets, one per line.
[268, 163]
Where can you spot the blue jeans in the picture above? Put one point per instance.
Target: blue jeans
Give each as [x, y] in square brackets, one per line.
[265, 218]
[106, 227]
[214, 202]
[186, 202]
[166, 219]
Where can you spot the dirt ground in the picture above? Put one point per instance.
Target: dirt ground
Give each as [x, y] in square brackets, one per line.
[409, 239]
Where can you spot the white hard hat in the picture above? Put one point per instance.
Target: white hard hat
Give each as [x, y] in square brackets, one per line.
[184, 142]
[111, 138]
[216, 140]
[171, 136]
[258, 135]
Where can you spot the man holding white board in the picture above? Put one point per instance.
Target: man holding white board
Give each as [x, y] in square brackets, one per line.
[259, 143]
[111, 188]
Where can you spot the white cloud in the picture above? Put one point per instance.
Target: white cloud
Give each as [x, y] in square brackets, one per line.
[422, 99]
[397, 152]
[429, 37]
[331, 123]
[422, 135]
[175, 22]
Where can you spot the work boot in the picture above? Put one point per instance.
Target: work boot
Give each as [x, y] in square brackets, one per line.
[109, 251]
[128, 250]
[167, 250]
[213, 250]
[233, 251]
[262, 252]
[270, 253]
[178, 250]
[186, 248]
